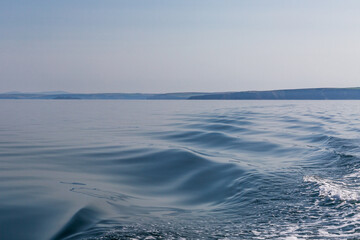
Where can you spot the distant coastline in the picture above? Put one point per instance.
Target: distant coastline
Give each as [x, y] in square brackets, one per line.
[287, 94]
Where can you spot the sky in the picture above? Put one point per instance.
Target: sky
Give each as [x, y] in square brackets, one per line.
[156, 46]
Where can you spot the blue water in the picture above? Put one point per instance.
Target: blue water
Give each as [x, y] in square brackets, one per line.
[179, 169]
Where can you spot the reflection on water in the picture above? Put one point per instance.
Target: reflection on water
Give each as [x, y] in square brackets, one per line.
[179, 169]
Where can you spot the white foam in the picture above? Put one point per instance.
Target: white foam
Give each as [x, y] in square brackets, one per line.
[291, 238]
[355, 175]
[334, 190]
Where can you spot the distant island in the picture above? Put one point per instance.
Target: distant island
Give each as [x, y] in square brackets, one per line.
[287, 94]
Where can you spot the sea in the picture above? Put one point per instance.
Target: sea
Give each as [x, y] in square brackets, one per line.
[179, 169]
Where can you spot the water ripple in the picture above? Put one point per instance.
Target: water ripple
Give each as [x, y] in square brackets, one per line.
[180, 170]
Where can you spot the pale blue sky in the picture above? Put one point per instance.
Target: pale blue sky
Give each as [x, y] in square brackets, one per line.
[178, 45]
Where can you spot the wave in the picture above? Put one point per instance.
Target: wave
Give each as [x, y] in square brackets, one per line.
[219, 167]
[179, 170]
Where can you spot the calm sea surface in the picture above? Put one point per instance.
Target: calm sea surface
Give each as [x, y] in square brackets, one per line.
[76, 169]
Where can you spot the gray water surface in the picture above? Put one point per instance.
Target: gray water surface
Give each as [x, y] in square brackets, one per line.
[179, 169]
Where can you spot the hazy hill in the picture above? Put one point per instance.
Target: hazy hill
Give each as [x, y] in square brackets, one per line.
[291, 94]
[288, 94]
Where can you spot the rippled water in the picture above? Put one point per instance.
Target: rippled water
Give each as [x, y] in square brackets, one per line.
[179, 169]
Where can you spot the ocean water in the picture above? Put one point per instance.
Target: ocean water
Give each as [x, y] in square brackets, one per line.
[72, 169]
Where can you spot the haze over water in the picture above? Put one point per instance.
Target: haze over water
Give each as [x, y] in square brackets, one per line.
[179, 169]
